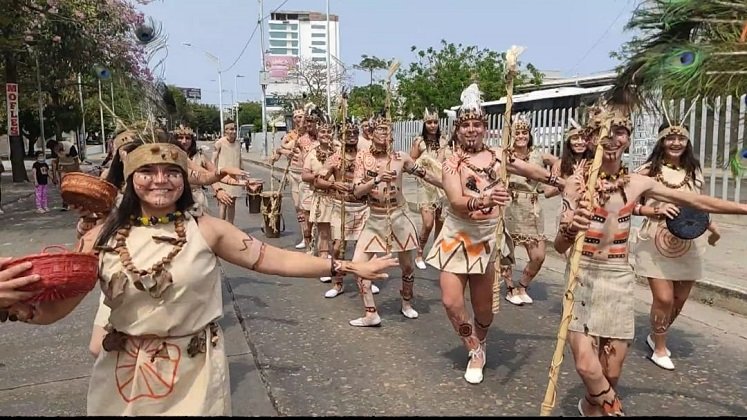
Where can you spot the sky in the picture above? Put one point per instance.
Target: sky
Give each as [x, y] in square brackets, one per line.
[573, 37]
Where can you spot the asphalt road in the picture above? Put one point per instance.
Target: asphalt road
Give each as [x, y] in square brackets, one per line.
[292, 352]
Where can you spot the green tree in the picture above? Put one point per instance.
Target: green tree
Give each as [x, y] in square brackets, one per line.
[364, 101]
[371, 64]
[205, 118]
[438, 76]
[251, 113]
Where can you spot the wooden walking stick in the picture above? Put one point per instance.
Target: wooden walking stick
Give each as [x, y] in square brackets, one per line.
[388, 102]
[512, 56]
[568, 299]
[343, 139]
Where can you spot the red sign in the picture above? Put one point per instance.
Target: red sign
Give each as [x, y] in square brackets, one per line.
[278, 67]
[11, 94]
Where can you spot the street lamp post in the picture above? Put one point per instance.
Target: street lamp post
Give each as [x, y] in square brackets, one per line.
[236, 89]
[263, 77]
[220, 81]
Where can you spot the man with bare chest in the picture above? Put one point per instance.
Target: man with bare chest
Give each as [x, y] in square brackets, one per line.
[602, 324]
[378, 179]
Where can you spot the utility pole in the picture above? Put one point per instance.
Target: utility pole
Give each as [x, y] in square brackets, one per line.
[329, 87]
[263, 74]
[42, 137]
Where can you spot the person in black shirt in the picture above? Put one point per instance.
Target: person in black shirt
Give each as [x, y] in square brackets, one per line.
[41, 179]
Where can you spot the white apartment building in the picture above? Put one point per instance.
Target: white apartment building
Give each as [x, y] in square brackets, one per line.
[300, 35]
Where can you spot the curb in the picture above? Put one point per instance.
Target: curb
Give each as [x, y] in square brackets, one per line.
[704, 291]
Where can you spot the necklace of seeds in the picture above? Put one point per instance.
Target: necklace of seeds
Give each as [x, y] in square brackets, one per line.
[614, 183]
[322, 155]
[156, 277]
[488, 170]
[660, 177]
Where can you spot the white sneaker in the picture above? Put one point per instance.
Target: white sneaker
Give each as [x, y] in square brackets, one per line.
[652, 346]
[515, 299]
[1, 211]
[474, 375]
[419, 263]
[326, 279]
[409, 313]
[301, 245]
[663, 362]
[525, 298]
[374, 289]
[374, 321]
[333, 292]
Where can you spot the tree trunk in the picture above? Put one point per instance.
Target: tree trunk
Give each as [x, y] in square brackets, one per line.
[17, 148]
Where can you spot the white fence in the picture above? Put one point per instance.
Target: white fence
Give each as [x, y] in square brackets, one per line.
[717, 129]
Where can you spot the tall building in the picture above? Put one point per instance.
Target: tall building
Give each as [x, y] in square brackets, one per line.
[295, 38]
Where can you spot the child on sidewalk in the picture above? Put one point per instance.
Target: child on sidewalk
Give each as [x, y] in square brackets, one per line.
[40, 171]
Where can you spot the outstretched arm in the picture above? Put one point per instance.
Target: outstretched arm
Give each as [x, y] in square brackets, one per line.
[231, 244]
[702, 202]
[528, 170]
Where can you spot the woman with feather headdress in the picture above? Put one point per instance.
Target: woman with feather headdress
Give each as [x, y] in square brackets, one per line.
[426, 152]
[671, 265]
[160, 273]
[464, 250]
[525, 220]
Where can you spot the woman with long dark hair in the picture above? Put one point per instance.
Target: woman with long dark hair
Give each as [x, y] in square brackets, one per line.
[575, 149]
[525, 220]
[671, 265]
[159, 270]
[426, 152]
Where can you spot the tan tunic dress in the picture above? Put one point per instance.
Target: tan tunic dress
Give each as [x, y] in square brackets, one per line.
[155, 375]
[661, 255]
[524, 218]
[321, 205]
[394, 227]
[230, 156]
[429, 196]
[467, 246]
[356, 212]
[198, 191]
[300, 191]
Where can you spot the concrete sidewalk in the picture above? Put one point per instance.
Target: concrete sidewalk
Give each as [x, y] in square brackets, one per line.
[724, 283]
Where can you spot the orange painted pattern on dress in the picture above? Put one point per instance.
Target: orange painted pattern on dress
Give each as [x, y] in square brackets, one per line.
[473, 249]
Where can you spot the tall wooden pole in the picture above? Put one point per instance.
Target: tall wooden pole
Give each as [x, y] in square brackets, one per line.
[512, 56]
[557, 359]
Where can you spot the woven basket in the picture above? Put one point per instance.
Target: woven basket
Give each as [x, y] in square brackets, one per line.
[63, 275]
[89, 192]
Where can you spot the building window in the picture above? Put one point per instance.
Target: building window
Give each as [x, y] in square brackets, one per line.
[294, 26]
[316, 35]
[294, 35]
[318, 26]
[315, 50]
[278, 27]
[277, 35]
[318, 42]
[282, 51]
[319, 59]
[278, 43]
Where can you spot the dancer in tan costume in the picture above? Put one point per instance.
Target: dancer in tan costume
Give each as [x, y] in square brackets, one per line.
[288, 149]
[378, 178]
[525, 219]
[602, 324]
[337, 176]
[227, 154]
[159, 271]
[670, 264]
[464, 250]
[427, 153]
[321, 213]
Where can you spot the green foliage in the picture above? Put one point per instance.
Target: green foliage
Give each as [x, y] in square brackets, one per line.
[251, 113]
[364, 101]
[371, 64]
[438, 77]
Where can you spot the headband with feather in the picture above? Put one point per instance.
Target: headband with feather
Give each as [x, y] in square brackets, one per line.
[471, 108]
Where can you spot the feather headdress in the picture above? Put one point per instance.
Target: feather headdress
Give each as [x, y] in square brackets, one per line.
[521, 122]
[471, 108]
[688, 48]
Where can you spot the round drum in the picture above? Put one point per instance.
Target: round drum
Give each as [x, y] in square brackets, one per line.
[689, 224]
[271, 212]
[253, 197]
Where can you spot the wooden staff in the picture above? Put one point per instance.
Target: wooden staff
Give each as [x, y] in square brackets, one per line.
[512, 56]
[392, 69]
[343, 137]
[549, 402]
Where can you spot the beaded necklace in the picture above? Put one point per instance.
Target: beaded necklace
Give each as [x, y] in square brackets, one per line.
[615, 183]
[488, 170]
[322, 155]
[153, 220]
[156, 278]
[660, 178]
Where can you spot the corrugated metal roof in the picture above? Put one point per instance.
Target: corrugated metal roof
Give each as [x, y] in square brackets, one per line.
[547, 94]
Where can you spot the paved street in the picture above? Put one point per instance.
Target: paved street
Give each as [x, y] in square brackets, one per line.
[292, 352]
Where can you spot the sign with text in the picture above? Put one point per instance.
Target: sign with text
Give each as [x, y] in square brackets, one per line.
[11, 94]
[279, 67]
[191, 93]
